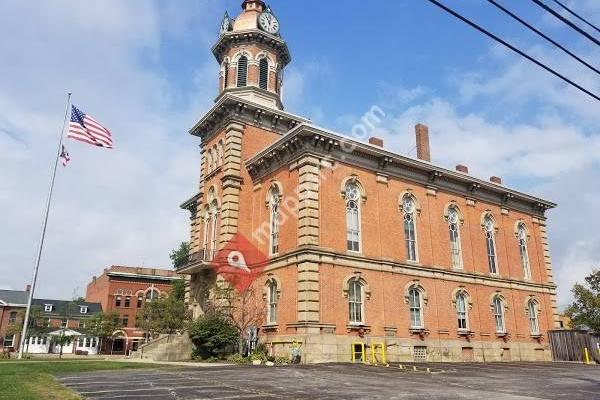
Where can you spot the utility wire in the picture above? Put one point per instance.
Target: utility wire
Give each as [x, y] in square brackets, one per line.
[513, 48]
[516, 17]
[576, 15]
[566, 21]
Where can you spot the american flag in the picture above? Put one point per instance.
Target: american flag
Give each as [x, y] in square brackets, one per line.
[86, 129]
[64, 156]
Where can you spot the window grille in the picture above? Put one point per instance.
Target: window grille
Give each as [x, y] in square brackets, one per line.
[420, 353]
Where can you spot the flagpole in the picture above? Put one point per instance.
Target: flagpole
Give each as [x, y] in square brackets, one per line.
[43, 233]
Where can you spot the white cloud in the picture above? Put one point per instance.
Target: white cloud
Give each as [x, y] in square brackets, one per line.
[110, 206]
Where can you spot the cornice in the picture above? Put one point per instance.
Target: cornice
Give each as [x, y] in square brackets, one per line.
[308, 139]
[232, 108]
[252, 36]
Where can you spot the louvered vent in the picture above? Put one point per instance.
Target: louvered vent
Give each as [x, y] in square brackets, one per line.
[264, 74]
[242, 73]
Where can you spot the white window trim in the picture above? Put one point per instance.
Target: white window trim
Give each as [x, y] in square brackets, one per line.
[420, 307]
[362, 302]
[359, 217]
[414, 215]
[502, 314]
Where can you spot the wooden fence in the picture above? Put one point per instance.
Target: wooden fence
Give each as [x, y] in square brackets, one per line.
[569, 345]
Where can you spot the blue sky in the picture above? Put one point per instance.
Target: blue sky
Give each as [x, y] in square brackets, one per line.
[145, 69]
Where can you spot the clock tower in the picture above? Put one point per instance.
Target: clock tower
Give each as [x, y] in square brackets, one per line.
[252, 55]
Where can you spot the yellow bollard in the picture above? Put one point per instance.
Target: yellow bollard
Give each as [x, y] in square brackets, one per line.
[586, 355]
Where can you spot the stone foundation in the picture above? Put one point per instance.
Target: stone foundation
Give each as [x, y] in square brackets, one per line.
[322, 348]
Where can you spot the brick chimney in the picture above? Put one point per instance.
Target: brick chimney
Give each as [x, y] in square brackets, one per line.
[496, 180]
[462, 168]
[375, 141]
[422, 135]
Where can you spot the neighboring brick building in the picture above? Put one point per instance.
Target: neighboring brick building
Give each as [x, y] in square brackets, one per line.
[126, 290]
[56, 315]
[365, 246]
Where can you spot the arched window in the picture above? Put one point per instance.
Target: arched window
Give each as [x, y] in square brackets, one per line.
[415, 304]
[355, 301]
[209, 161]
[225, 74]
[462, 315]
[410, 231]
[272, 297]
[455, 248]
[498, 309]
[263, 80]
[213, 230]
[242, 71]
[523, 252]
[274, 206]
[534, 325]
[151, 294]
[221, 152]
[353, 216]
[490, 241]
[207, 225]
[215, 152]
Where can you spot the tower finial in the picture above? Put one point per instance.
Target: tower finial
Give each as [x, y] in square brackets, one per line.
[253, 4]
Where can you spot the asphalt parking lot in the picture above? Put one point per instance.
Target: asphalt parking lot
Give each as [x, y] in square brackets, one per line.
[495, 381]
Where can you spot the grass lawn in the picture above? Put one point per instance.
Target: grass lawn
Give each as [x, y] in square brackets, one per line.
[33, 380]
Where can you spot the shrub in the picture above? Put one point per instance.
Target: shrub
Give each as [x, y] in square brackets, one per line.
[258, 355]
[212, 336]
[238, 359]
[4, 355]
[282, 360]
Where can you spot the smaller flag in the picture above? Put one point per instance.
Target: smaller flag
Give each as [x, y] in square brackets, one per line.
[84, 128]
[64, 156]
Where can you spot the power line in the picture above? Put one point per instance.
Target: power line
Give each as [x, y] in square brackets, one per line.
[566, 21]
[513, 48]
[516, 17]
[576, 15]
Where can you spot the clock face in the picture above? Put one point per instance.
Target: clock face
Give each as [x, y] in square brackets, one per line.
[268, 23]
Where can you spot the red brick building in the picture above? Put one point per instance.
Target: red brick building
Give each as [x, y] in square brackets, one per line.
[365, 246]
[56, 316]
[126, 290]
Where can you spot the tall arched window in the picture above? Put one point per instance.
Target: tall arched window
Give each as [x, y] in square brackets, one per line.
[207, 225]
[453, 229]
[415, 304]
[355, 301]
[242, 71]
[225, 74]
[462, 315]
[215, 153]
[209, 161]
[409, 209]
[221, 152]
[498, 309]
[534, 325]
[274, 206]
[263, 80]
[523, 252]
[353, 216]
[213, 229]
[272, 297]
[490, 241]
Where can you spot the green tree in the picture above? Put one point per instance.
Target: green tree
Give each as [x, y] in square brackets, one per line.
[585, 310]
[180, 256]
[212, 335]
[103, 325]
[166, 314]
